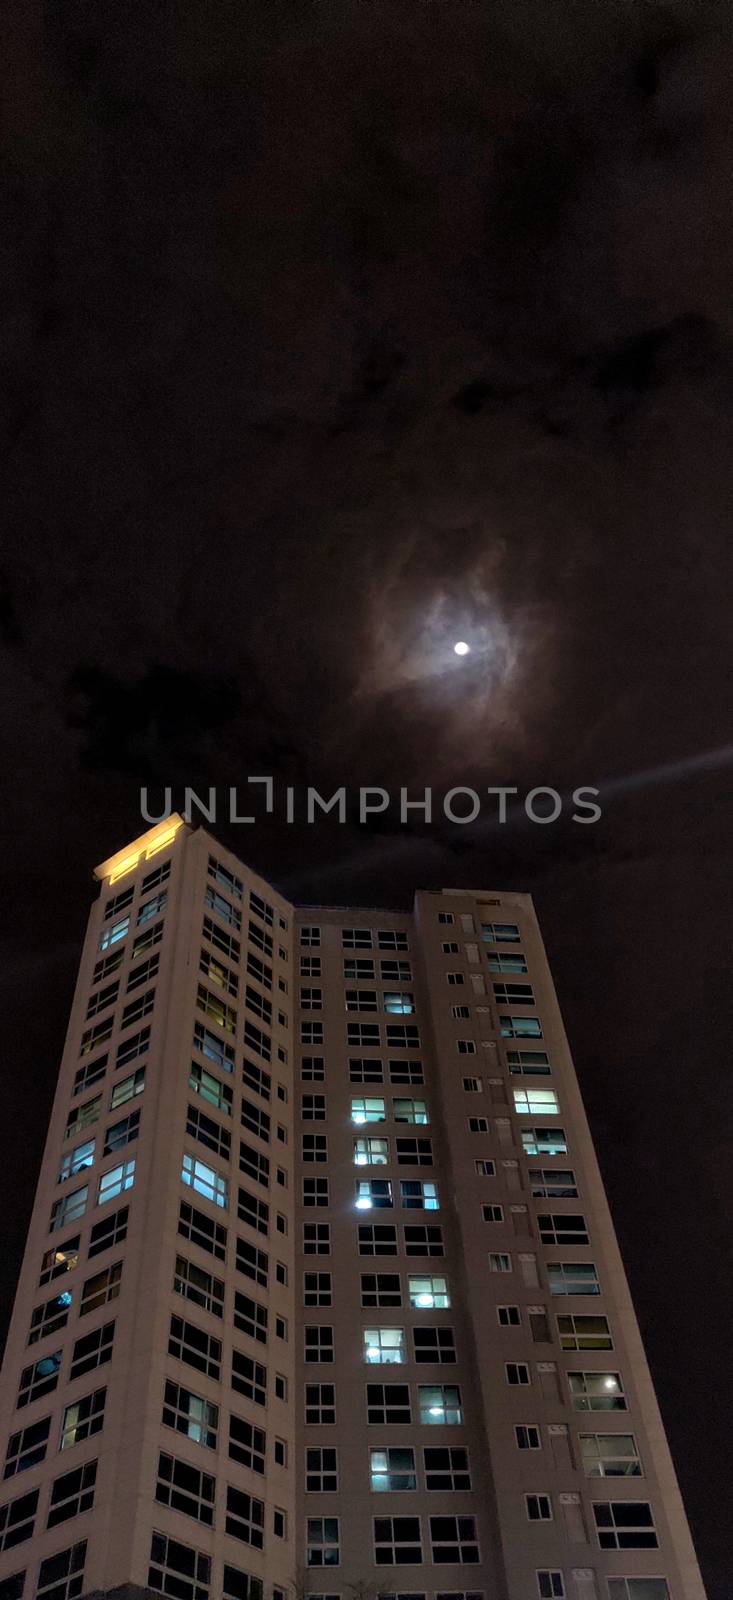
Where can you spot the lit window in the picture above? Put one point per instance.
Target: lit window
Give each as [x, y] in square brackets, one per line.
[83, 1418]
[399, 1001]
[584, 1333]
[204, 1180]
[116, 1181]
[418, 1195]
[384, 1345]
[596, 1391]
[572, 1277]
[536, 1102]
[366, 1108]
[392, 1469]
[518, 1027]
[371, 1152]
[428, 1293]
[609, 1455]
[544, 1141]
[440, 1403]
[410, 1111]
[76, 1160]
[500, 932]
[111, 935]
[127, 1088]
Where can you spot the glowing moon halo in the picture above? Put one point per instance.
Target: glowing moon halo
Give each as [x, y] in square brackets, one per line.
[461, 648]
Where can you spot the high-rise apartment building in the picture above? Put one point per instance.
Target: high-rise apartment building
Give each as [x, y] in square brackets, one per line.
[321, 1293]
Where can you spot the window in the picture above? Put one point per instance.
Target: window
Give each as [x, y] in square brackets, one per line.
[462, 1014]
[197, 1285]
[382, 1345]
[450, 947]
[217, 903]
[366, 1034]
[321, 1469]
[550, 1585]
[111, 935]
[177, 1570]
[446, 1467]
[76, 1160]
[318, 1343]
[417, 1194]
[83, 1116]
[313, 1107]
[504, 961]
[247, 1444]
[208, 1132]
[204, 1180]
[553, 1183]
[127, 1089]
[90, 1073]
[131, 1048]
[380, 1289]
[144, 972]
[225, 942]
[388, 1403]
[492, 1213]
[138, 1008]
[509, 1316]
[368, 1109]
[96, 1035]
[257, 1040]
[311, 999]
[518, 1027]
[527, 1435]
[356, 938]
[398, 1001]
[466, 1047]
[116, 1181]
[536, 1102]
[262, 940]
[517, 1373]
[313, 1069]
[249, 1378]
[455, 979]
[500, 1261]
[121, 1133]
[316, 1289]
[310, 967]
[190, 1414]
[405, 1071]
[391, 939]
[544, 1141]
[256, 1213]
[101, 1288]
[539, 1507]
[392, 1469]
[528, 1063]
[316, 1238]
[215, 1049]
[322, 1548]
[402, 1036]
[562, 1227]
[397, 1541]
[445, 917]
[434, 1345]
[225, 879]
[83, 1418]
[625, 1525]
[216, 1009]
[472, 1085]
[440, 1403]
[315, 1191]
[68, 1208]
[596, 1391]
[71, 1494]
[395, 972]
[311, 1033]
[484, 1168]
[27, 1448]
[315, 1147]
[262, 972]
[371, 1152]
[110, 1230]
[454, 1540]
[572, 1277]
[478, 1124]
[424, 1240]
[17, 1520]
[371, 1192]
[92, 1350]
[146, 940]
[310, 936]
[195, 1225]
[204, 1083]
[256, 1078]
[61, 1576]
[198, 1349]
[514, 994]
[410, 1111]
[185, 1488]
[428, 1293]
[500, 932]
[637, 1589]
[609, 1455]
[320, 1403]
[250, 1317]
[39, 1379]
[377, 1239]
[584, 1333]
[50, 1316]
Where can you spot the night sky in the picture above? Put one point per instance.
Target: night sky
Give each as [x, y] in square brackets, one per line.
[331, 333]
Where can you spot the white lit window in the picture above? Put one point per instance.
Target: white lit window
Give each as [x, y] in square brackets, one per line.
[371, 1152]
[392, 1469]
[410, 1111]
[428, 1293]
[440, 1403]
[367, 1108]
[204, 1180]
[536, 1102]
[76, 1160]
[384, 1345]
[116, 1180]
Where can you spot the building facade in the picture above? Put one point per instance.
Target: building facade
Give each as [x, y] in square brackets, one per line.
[321, 1293]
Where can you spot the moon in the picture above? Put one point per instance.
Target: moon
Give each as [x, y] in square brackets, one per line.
[461, 648]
